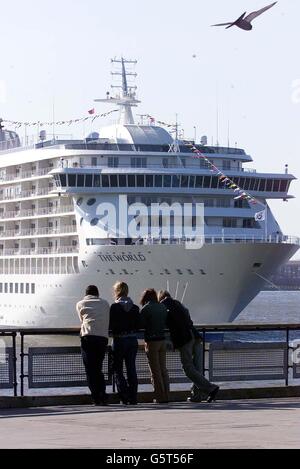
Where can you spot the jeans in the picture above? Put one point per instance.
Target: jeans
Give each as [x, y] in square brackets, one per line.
[156, 352]
[125, 350]
[93, 349]
[191, 361]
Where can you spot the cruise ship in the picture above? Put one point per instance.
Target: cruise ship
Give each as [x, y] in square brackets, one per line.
[54, 242]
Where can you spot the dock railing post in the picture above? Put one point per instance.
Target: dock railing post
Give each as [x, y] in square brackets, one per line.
[203, 351]
[287, 356]
[15, 383]
[22, 364]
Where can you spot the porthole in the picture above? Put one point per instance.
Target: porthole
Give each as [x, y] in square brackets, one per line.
[81, 221]
[79, 201]
[91, 202]
[94, 222]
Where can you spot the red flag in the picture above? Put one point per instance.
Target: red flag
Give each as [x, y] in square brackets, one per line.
[91, 111]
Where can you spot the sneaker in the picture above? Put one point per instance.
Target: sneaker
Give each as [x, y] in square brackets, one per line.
[194, 399]
[213, 395]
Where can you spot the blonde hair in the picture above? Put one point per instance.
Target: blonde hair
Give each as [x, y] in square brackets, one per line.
[120, 289]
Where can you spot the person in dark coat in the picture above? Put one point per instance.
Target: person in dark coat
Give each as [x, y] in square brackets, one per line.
[124, 324]
[187, 340]
[153, 320]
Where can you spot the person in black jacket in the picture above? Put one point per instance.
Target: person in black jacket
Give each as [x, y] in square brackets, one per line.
[124, 324]
[187, 340]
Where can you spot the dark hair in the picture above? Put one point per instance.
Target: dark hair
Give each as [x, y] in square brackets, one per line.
[163, 294]
[149, 295]
[92, 290]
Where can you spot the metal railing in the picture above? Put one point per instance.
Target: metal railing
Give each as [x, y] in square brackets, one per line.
[36, 212]
[223, 358]
[47, 231]
[208, 239]
[27, 194]
[40, 250]
[25, 175]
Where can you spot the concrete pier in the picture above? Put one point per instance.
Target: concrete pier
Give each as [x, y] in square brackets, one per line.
[260, 423]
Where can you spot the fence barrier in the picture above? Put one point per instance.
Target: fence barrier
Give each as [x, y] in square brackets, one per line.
[222, 360]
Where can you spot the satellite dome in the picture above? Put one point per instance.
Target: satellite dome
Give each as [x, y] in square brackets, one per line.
[9, 139]
[93, 136]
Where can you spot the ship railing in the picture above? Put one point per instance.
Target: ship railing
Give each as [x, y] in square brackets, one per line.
[173, 165]
[39, 251]
[261, 355]
[39, 231]
[220, 239]
[35, 212]
[29, 193]
[25, 175]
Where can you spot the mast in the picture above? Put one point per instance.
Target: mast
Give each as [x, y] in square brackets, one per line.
[127, 98]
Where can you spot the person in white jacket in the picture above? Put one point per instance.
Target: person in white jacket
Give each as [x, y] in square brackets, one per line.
[93, 313]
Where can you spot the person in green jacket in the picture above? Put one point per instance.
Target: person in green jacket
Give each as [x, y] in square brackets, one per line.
[153, 320]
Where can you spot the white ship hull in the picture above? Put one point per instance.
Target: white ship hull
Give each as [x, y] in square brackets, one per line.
[215, 282]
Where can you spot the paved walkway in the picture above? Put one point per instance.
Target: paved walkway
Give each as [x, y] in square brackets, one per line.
[228, 424]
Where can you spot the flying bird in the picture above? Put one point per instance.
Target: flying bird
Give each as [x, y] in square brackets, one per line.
[244, 22]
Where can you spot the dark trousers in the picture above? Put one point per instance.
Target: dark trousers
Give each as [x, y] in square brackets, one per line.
[93, 349]
[125, 350]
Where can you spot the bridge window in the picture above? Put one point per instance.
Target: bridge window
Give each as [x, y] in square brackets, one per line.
[149, 180]
[283, 185]
[192, 182]
[80, 180]
[105, 180]
[262, 185]
[88, 180]
[114, 180]
[167, 181]
[175, 181]
[199, 181]
[97, 180]
[131, 180]
[269, 185]
[71, 180]
[63, 180]
[158, 180]
[207, 181]
[276, 185]
[184, 181]
[140, 180]
[122, 180]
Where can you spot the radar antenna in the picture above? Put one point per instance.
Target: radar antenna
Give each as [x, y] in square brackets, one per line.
[127, 98]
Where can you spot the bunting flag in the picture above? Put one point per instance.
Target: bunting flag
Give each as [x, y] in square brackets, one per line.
[92, 117]
[240, 194]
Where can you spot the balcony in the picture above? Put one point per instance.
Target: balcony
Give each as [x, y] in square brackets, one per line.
[25, 175]
[28, 194]
[39, 251]
[52, 211]
[47, 231]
